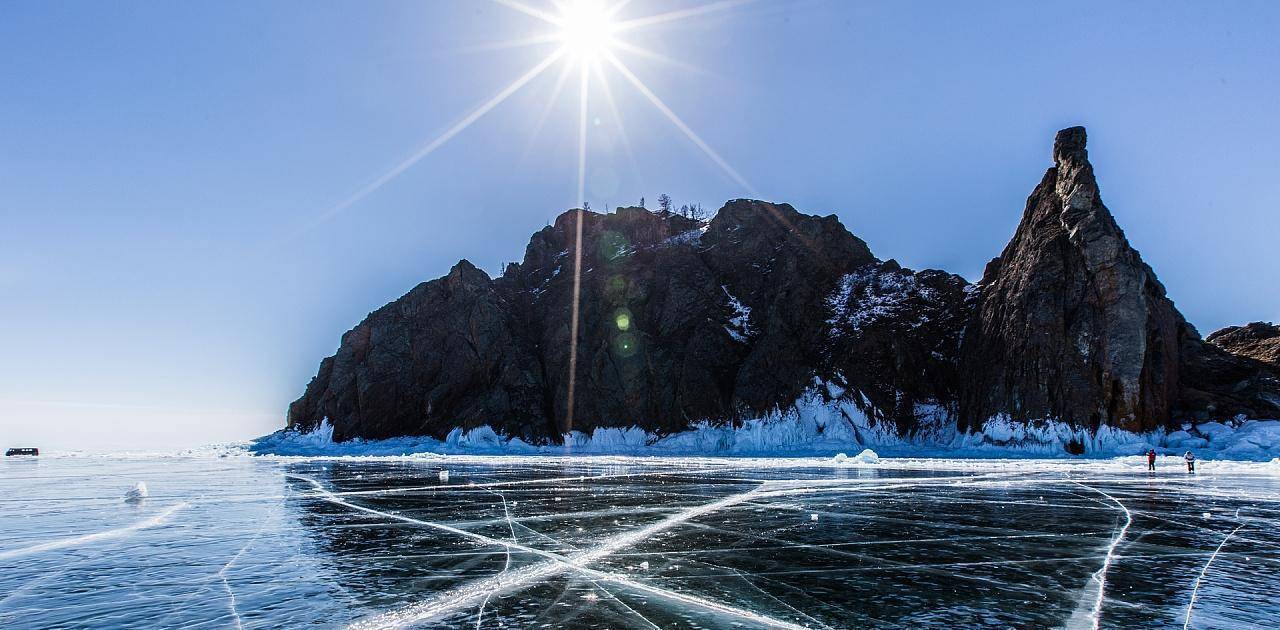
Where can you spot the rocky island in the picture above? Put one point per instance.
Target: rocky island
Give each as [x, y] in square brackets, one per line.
[683, 321]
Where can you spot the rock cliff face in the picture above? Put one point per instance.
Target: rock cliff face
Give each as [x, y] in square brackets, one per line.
[682, 321]
[447, 353]
[1071, 324]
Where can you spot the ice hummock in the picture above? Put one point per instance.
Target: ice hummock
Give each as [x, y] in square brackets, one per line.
[867, 456]
[137, 493]
[822, 427]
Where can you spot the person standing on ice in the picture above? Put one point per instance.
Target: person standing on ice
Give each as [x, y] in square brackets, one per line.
[1191, 461]
[1151, 459]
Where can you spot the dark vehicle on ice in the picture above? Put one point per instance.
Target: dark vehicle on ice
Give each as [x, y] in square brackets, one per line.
[21, 451]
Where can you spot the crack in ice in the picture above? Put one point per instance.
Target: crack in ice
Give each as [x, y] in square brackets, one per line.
[222, 573]
[461, 597]
[624, 605]
[76, 541]
[793, 609]
[505, 567]
[1095, 614]
[542, 481]
[1196, 589]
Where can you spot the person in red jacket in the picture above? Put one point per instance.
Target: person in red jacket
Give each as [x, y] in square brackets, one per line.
[1151, 459]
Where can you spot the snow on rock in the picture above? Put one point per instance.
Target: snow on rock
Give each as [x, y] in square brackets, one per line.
[871, 294]
[740, 323]
[688, 237]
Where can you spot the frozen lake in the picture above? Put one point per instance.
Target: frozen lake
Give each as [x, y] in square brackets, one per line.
[640, 543]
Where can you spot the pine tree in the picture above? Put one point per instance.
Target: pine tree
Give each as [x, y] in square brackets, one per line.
[664, 203]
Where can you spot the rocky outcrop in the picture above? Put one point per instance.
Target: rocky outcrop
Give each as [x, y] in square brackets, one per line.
[1258, 340]
[1071, 324]
[894, 341]
[680, 321]
[1235, 374]
[1217, 384]
[446, 354]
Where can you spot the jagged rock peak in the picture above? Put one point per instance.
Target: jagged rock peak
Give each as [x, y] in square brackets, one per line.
[463, 273]
[1069, 146]
[1071, 324]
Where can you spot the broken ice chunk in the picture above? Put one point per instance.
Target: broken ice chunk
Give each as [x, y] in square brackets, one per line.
[137, 493]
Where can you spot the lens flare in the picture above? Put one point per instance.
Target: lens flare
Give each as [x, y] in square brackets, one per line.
[623, 320]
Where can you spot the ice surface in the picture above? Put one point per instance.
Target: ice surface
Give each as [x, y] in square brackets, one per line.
[88, 540]
[621, 541]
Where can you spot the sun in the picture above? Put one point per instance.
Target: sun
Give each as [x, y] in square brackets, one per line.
[588, 37]
[587, 29]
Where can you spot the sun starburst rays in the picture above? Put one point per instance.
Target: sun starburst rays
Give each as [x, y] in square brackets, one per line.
[589, 33]
[679, 123]
[587, 37]
[585, 33]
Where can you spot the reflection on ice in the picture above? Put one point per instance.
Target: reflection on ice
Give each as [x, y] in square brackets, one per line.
[639, 542]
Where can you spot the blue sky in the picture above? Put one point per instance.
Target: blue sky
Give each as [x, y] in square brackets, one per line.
[171, 271]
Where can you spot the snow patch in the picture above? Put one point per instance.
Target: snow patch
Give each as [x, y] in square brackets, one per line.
[740, 323]
[870, 295]
[689, 237]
